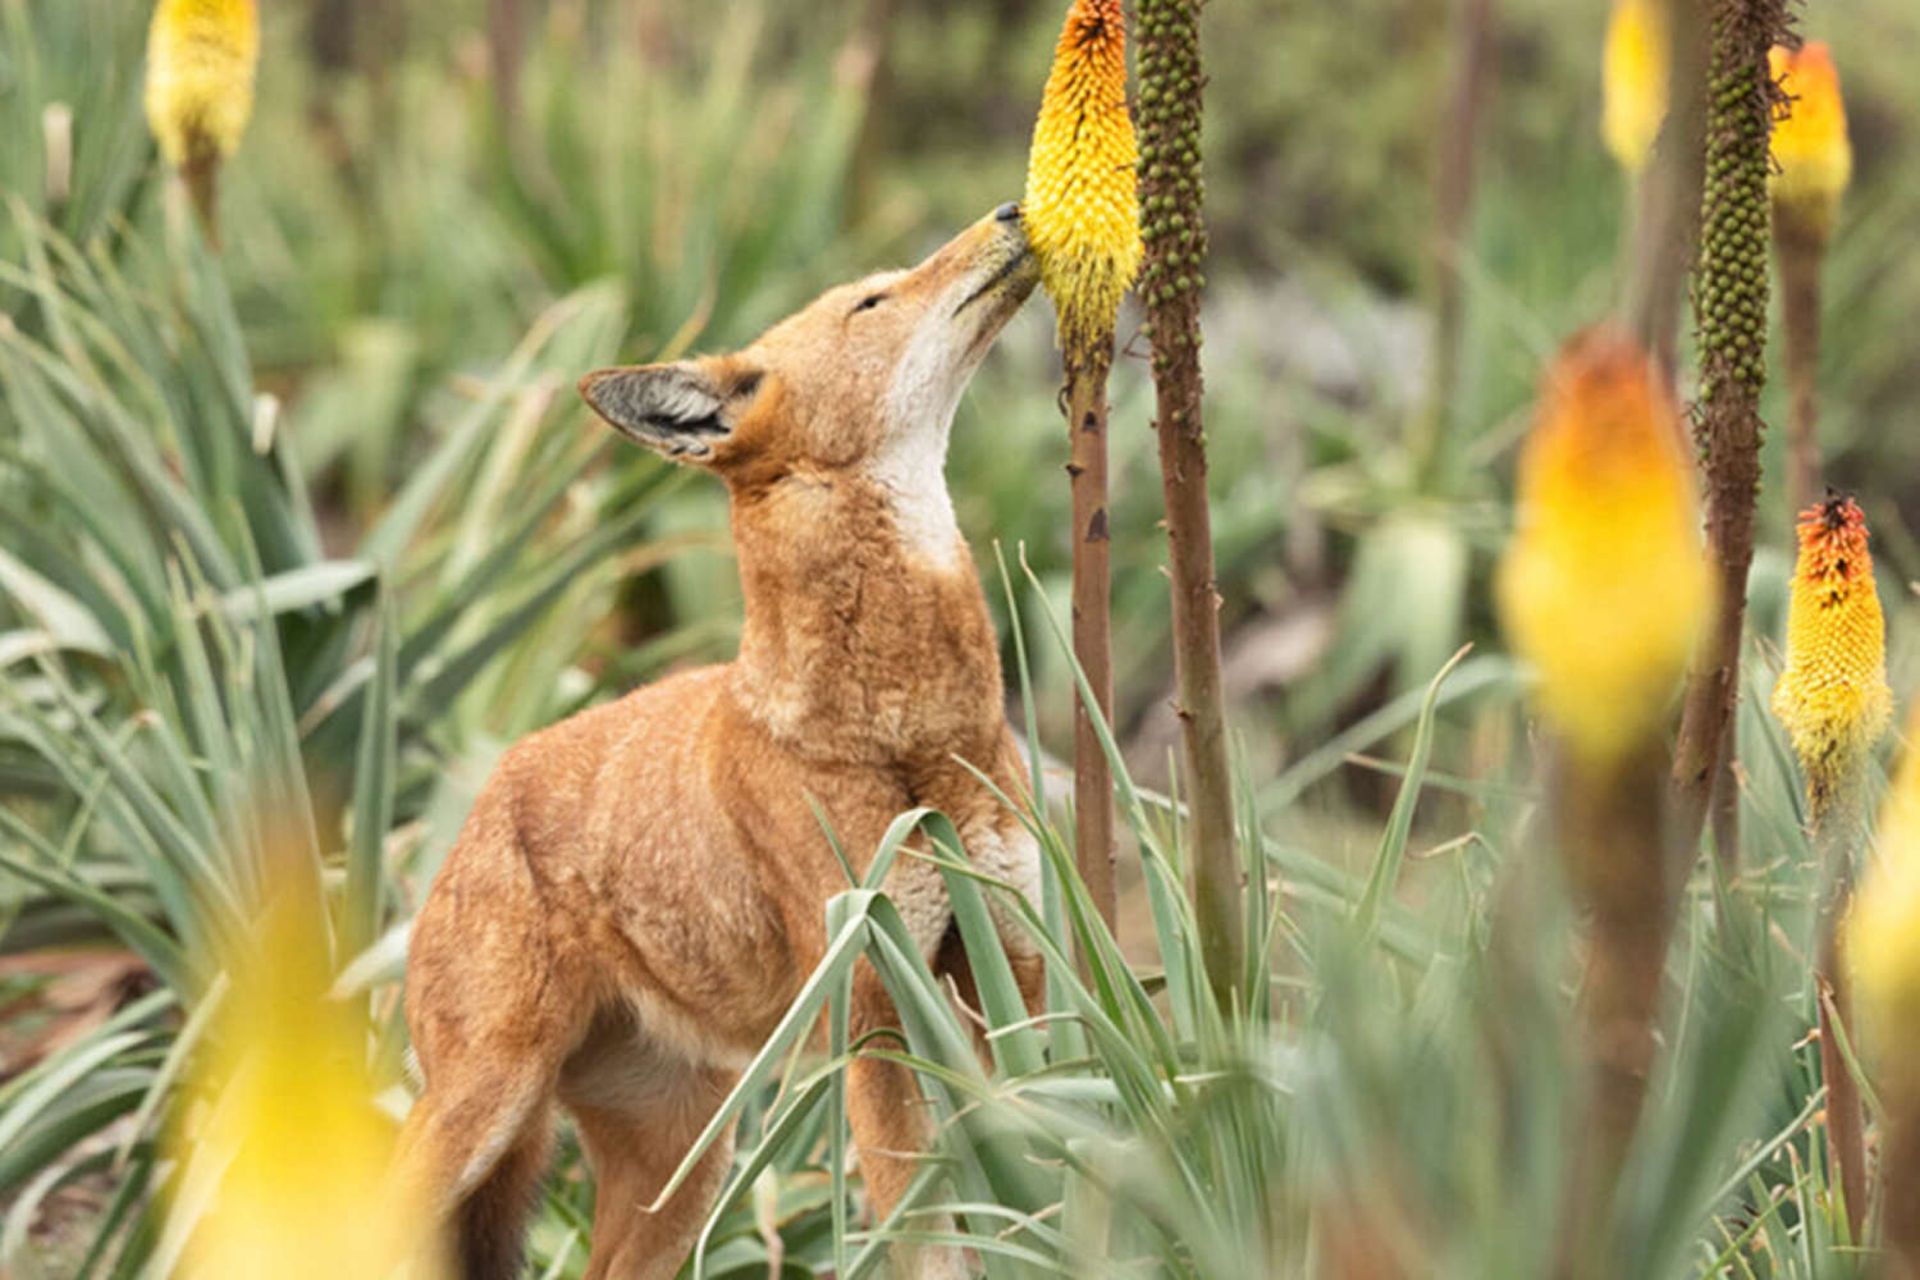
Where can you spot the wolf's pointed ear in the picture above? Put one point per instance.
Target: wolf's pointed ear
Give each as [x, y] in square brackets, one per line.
[681, 410]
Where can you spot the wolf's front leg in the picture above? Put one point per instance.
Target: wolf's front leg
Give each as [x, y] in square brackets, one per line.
[894, 1130]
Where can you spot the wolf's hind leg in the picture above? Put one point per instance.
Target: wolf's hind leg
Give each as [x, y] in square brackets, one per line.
[633, 1151]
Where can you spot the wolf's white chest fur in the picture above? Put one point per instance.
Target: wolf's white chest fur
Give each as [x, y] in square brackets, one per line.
[920, 404]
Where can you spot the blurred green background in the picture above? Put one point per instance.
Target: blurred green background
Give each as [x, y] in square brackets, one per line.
[443, 214]
[401, 215]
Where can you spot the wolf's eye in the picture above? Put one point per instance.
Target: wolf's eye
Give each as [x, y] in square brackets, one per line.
[869, 302]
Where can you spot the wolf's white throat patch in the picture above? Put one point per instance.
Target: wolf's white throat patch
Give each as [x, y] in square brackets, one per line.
[920, 404]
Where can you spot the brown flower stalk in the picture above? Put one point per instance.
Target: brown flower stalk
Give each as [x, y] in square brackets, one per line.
[1173, 210]
[1814, 163]
[1656, 62]
[1604, 592]
[1730, 313]
[1456, 147]
[1082, 217]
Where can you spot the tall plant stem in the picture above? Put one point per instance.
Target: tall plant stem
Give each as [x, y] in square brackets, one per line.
[871, 45]
[1174, 227]
[1092, 618]
[1613, 836]
[1453, 204]
[1730, 305]
[201, 173]
[1799, 251]
[1666, 205]
[507, 55]
[1836, 832]
[1900, 1175]
[1200, 701]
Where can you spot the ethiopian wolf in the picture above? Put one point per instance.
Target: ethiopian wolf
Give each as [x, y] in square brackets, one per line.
[638, 893]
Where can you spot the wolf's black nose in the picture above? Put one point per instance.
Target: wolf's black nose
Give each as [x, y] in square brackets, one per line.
[1008, 212]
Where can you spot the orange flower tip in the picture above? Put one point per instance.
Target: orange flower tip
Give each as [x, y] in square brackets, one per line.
[202, 57]
[1833, 698]
[1813, 159]
[1604, 589]
[1634, 63]
[1081, 206]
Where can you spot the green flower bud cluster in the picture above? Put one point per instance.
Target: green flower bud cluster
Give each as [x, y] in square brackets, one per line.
[1730, 291]
[1172, 191]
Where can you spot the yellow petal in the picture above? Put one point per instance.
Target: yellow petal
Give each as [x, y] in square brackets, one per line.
[1883, 929]
[1604, 588]
[1813, 158]
[280, 1132]
[201, 60]
[1833, 697]
[1634, 80]
[1082, 209]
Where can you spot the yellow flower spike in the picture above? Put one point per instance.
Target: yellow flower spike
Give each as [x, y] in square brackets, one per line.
[1883, 930]
[1813, 158]
[1604, 588]
[1081, 209]
[1834, 702]
[279, 1134]
[1634, 80]
[1833, 697]
[201, 59]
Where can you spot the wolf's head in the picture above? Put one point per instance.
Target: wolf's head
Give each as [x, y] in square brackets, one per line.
[866, 376]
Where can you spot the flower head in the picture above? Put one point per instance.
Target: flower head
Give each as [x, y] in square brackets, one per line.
[1833, 696]
[1883, 929]
[1082, 212]
[1604, 588]
[279, 1131]
[201, 58]
[1810, 148]
[1634, 80]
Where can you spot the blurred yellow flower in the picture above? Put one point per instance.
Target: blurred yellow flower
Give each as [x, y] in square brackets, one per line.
[280, 1136]
[1883, 930]
[1605, 588]
[201, 58]
[1634, 80]
[1833, 697]
[1082, 210]
[1813, 158]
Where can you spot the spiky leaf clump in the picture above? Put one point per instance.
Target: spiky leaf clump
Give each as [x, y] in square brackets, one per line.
[201, 59]
[1833, 697]
[1081, 208]
[1604, 589]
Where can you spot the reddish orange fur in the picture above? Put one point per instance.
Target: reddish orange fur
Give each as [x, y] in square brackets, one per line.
[638, 893]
